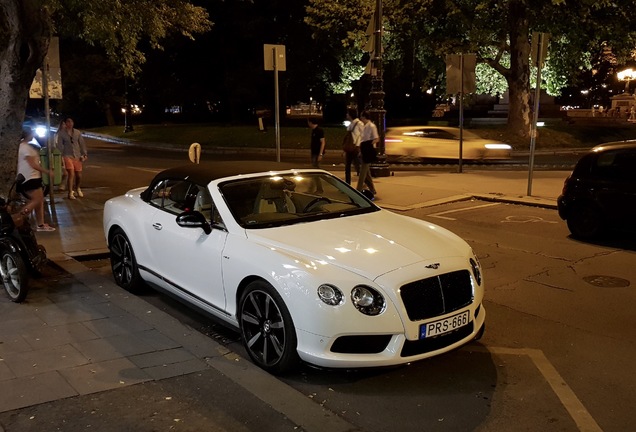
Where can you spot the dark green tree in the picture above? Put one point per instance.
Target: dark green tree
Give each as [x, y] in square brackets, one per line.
[498, 31]
[119, 26]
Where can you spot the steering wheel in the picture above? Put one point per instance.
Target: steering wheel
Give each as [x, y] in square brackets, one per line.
[315, 201]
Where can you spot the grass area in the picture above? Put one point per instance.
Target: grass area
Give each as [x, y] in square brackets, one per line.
[556, 134]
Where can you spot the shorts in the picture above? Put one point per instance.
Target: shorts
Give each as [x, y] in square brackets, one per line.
[30, 185]
[72, 164]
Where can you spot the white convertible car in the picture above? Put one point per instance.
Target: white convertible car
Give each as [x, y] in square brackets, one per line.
[303, 265]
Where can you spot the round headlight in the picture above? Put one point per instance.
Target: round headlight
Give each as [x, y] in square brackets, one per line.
[367, 300]
[330, 295]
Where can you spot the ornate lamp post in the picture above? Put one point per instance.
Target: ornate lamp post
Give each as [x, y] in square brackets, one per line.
[626, 75]
[377, 111]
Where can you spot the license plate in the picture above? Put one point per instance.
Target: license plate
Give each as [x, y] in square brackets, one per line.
[445, 325]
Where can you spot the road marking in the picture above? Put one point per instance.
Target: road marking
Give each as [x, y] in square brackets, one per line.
[526, 219]
[439, 215]
[561, 389]
[151, 170]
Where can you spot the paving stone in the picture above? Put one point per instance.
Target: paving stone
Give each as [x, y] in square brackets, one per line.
[112, 347]
[176, 369]
[47, 337]
[44, 360]
[32, 390]
[107, 375]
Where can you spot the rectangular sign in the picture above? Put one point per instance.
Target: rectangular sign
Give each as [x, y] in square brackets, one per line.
[274, 56]
[54, 77]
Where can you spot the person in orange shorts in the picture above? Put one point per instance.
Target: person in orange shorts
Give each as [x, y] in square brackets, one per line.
[73, 148]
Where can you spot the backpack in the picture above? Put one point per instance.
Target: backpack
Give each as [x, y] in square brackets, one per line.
[347, 143]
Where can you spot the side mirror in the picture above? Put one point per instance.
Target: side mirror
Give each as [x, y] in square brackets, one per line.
[194, 219]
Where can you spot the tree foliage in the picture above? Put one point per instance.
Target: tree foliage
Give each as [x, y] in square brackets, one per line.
[124, 28]
[498, 31]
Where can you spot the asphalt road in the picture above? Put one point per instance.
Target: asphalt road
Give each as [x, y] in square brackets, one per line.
[559, 344]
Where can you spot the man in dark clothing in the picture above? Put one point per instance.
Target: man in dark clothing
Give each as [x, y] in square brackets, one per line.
[317, 142]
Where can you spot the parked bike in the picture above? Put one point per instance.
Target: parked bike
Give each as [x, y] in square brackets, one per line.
[20, 254]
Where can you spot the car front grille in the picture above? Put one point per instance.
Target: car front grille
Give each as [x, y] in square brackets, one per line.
[438, 295]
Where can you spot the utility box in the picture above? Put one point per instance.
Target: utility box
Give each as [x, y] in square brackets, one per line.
[57, 165]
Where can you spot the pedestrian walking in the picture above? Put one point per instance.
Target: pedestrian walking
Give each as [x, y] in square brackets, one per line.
[71, 144]
[368, 152]
[318, 142]
[56, 139]
[317, 145]
[32, 187]
[351, 143]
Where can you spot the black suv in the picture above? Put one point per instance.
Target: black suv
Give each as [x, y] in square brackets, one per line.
[600, 194]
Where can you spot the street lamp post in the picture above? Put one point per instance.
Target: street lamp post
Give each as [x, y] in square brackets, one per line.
[626, 75]
[377, 111]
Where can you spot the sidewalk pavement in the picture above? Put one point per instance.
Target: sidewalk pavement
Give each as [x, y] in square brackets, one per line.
[82, 334]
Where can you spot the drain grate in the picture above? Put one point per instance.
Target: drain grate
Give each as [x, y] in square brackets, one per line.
[603, 281]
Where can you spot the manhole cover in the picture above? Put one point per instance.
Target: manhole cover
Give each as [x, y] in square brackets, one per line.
[606, 281]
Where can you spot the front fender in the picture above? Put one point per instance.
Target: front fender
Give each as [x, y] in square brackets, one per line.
[297, 278]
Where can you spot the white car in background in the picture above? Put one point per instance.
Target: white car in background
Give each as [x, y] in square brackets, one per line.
[303, 265]
[412, 143]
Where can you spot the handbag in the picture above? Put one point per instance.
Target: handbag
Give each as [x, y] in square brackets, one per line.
[348, 145]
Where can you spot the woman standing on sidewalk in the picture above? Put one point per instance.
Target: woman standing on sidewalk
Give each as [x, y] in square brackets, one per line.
[29, 166]
[71, 144]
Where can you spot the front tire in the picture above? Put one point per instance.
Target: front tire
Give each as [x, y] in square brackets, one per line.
[267, 329]
[15, 276]
[123, 263]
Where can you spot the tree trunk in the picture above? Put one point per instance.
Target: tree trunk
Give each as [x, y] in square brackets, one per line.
[519, 76]
[25, 33]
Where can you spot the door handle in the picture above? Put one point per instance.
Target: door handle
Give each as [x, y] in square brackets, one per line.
[157, 226]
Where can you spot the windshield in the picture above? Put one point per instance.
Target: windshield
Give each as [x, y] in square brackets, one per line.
[276, 200]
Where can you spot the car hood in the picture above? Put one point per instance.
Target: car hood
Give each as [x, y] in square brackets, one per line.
[370, 245]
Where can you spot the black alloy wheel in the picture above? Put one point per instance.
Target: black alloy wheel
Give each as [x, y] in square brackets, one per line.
[267, 329]
[15, 276]
[123, 263]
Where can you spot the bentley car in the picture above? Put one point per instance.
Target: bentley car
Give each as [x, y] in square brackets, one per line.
[305, 267]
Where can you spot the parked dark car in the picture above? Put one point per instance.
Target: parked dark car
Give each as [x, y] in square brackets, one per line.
[600, 194]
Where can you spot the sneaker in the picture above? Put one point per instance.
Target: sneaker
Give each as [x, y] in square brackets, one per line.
[45, 227]
[71, 195]
[79, 193]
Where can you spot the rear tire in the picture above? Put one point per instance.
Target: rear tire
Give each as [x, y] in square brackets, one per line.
[585, 222]
[123, 263]
[15, 276]
[267, 330]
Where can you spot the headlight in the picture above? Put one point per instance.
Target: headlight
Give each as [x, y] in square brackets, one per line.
[330, 295]
[367, 300]
[40, 131]
[498, 147]
[474, 263]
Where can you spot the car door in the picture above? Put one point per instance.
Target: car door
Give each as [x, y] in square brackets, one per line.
[437, 143]
[619, 193]
[188, 259]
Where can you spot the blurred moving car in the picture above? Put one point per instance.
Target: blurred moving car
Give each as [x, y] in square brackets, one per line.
[600, 194]
[303, 265]
[410, 143]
